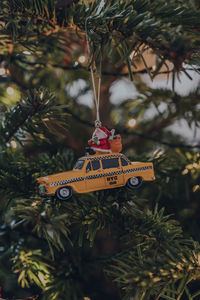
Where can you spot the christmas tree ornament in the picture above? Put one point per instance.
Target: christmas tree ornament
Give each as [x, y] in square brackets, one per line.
[97, 172]
[103, 167]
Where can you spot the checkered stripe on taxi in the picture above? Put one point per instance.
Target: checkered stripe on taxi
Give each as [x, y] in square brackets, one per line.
[138, 169]
[63, 182]
[103, 175]
[106, 157]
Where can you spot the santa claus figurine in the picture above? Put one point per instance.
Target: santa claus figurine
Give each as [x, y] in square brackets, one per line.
[99, 141]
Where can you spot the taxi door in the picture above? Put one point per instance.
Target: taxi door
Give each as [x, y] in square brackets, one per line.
[94, 176]
[113, 174]
[125, 168]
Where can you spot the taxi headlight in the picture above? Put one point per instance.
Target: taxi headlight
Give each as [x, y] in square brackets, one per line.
[42, 189]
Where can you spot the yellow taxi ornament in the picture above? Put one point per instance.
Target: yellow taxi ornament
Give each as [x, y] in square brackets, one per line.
[97, 172]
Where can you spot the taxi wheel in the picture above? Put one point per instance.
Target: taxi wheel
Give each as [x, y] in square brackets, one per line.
[134, 182]
[64, 193]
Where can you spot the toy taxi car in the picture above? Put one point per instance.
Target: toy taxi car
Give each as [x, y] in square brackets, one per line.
[97, 172]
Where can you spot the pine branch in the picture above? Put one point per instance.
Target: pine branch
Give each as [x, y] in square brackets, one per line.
[171, 32]
[153, 256]
[29, 113]
[157, 242]
[104, 73]
[48, 223]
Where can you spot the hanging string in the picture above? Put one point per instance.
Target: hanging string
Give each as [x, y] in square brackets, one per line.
[96, 93]
[98, 99]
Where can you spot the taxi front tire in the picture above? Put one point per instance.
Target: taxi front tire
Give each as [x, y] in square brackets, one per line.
[64, 193]
[134, 182]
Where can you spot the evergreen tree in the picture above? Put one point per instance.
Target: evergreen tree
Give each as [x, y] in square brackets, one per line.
[112, 244]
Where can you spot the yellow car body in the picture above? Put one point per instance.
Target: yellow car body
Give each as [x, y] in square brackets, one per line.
[97, 172]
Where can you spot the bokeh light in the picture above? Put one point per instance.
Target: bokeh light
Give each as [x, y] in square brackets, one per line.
[13, 144]
[82, 59]
[2, 71]
[131, 122]
[10, 90]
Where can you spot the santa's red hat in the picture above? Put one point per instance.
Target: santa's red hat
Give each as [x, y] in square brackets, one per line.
[105, 130]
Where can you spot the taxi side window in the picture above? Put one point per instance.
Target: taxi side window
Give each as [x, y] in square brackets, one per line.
[124, 162]
[88, 168]
[110, 163]
[95, 165]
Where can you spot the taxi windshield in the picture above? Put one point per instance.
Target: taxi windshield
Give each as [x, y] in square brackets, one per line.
[79, 165]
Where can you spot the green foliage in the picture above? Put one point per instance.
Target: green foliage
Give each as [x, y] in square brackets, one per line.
[157, 261]
[113, 244]
[47, 221]
[30, 265]
[150, 245]
[18, 174]
[169, 29]
[32, 115]
[148, 255]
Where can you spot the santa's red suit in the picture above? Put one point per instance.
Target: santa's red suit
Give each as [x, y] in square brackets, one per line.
[99, 140]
